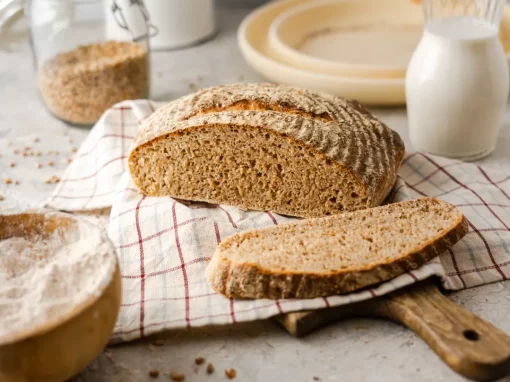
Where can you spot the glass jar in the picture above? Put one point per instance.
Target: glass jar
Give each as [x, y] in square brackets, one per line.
[89, 55]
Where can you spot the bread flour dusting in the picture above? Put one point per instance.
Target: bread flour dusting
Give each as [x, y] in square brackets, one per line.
[43, 279]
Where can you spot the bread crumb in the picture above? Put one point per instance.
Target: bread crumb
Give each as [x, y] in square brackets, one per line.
[210, 368]
[69, 160]
[9, 143]
[37, 153]
[36, 139]
[316, 379]
[154, 373]
[50, 163]
[1, 198]
[53, 179]
[12, 164]
[230, 373]
[24, 153]
[38, 165]
[158, 342]
[26, 148]
[159, 74]
[175, 376]
[7, 180]
[70, 140]
[199, 360]
[200, 78]
[16, 182]
[15, 151]
[191, 86]
[73, 149]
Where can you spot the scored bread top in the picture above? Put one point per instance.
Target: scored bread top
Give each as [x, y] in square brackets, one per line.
[340, 130]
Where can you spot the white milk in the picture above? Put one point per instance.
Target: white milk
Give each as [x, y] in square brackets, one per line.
[456, 88]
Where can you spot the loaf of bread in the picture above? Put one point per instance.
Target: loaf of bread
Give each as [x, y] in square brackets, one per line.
[336, 254]
[267, 147]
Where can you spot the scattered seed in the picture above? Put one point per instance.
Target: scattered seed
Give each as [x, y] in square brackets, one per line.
[12, 164]
[159, 74]
[36, 139]
[210, 368]
[69, 160]
[199, 360]
[53, 179]
[316, 379]
[240, 78]
[26, 148]
[37, 153]
[50, 163]
[38, 165]
[230, 373]
[158, 342]
[191, 86]
[70, 140]
[73, 149]
[7, 180]
[200, 78]
[16, 182]
[154, 373]
[15, 151]
[24, 153]
[175, 376]
[1, 198]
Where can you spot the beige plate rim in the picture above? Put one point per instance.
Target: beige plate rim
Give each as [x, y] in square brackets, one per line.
[246, 46]
[277, 42]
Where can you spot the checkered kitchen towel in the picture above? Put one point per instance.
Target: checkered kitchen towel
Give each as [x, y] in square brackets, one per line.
[164, 245]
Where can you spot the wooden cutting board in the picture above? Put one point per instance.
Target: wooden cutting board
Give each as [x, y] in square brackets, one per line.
[469, 345]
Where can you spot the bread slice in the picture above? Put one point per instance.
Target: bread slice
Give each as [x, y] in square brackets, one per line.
[337, 254]
[267, 147]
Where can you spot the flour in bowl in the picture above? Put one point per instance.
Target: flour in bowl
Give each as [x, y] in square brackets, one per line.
[43, 279]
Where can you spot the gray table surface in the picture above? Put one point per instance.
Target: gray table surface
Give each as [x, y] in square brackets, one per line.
[351, 350]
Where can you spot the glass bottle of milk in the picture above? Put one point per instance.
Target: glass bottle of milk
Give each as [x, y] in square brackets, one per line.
[457, 80]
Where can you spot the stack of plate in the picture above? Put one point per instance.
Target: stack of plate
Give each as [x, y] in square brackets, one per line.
[356, 49]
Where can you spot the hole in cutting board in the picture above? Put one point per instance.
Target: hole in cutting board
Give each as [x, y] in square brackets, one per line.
[471, 335]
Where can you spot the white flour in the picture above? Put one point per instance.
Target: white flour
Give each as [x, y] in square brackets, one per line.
[44, 279]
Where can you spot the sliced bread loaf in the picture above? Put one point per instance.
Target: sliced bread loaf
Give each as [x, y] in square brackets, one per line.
[267, 147]
[334, 255]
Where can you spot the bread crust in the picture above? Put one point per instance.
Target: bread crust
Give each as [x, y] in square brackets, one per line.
[335, 129]
[248, 280]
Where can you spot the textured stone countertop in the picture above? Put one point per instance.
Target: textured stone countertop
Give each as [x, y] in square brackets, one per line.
[351, 350]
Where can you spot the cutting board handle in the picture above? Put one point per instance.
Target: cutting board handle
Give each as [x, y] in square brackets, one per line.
[468, 344]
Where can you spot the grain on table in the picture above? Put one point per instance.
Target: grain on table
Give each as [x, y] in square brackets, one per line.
[230, 373]
[199, 360]
[178, 377]
[79, 85]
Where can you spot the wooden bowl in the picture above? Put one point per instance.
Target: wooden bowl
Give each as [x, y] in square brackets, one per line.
[61, 346]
